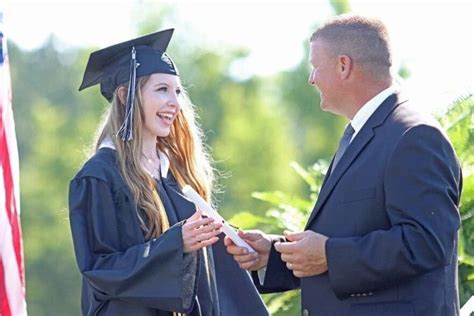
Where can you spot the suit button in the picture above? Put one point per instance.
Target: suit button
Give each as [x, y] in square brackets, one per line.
[305, 312]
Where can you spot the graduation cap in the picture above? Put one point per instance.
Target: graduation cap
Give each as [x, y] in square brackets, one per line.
[125, 62]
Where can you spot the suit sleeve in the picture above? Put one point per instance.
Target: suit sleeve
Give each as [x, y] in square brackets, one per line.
[278, 278]
[422, 192]
[156, 274]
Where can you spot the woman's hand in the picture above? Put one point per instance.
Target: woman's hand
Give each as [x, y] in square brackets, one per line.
[199, 232]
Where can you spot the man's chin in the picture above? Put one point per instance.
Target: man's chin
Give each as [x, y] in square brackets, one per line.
[329, 109]
[324, 107]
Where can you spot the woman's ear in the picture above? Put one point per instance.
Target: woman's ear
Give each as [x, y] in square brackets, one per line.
[122, 95]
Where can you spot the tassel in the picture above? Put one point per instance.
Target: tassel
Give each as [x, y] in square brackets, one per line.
[126, 130]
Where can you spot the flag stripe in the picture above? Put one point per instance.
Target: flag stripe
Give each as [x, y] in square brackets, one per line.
[4, 307]
[12, 281]
[12, 215]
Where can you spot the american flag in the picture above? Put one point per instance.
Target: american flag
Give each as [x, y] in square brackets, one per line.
[12, 273]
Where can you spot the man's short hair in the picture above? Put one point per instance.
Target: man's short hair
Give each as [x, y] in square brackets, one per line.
[363, 39]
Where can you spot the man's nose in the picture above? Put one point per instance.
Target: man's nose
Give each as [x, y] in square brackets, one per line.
[311, 78]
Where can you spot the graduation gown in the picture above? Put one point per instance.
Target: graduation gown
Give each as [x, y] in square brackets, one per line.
[125, 274]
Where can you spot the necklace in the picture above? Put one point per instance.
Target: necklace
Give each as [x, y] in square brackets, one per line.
[153, 168]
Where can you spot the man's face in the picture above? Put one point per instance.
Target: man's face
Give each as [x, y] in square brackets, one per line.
[324, 75]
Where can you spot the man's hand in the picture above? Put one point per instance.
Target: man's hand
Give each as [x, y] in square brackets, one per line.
[304, 253]
[250, 261]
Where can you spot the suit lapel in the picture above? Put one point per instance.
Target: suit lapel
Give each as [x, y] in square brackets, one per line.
[355, 148]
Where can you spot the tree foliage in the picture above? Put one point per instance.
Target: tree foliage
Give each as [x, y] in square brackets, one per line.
[459, 123]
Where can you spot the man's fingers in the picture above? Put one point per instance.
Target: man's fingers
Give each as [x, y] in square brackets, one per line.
[295, 266]
[248, 265]
[299, 273]
[228, 242]
[236, 250]
[291, 236]
[246, 258]
[285, 247]
[251, 236]
[248, 261]
[288, 257]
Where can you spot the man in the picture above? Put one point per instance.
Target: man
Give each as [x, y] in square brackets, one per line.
[382, 237]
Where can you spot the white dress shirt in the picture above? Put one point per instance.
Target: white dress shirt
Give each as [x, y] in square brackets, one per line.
[366, 111]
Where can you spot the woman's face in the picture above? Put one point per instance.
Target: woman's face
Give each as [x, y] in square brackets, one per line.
[161, 100]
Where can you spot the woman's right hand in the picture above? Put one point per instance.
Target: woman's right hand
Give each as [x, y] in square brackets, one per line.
[199, 232]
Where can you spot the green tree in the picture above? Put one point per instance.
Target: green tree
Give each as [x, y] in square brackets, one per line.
[459, 123]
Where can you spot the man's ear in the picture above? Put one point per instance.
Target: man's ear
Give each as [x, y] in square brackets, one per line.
[122, 94]
[344, 66]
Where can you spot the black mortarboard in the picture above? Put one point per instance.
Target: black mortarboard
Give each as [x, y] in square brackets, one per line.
[125, 62]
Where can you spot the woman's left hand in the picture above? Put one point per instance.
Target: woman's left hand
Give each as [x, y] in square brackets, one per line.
[199, 232]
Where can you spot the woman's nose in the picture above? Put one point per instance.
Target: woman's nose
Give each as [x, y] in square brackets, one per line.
[174, 100]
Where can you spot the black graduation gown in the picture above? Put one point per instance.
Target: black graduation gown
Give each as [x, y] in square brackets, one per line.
[124, 274]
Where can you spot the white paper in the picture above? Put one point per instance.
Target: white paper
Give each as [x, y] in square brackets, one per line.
[189, 192]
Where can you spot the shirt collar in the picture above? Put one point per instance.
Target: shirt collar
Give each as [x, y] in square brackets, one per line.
[164, 160]
[369, 108]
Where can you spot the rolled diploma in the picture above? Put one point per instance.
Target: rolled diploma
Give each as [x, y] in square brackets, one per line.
[189, 192]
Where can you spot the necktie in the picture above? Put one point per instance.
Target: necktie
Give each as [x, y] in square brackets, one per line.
[343, 144]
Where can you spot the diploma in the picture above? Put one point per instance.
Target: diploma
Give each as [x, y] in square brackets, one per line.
[189, 192]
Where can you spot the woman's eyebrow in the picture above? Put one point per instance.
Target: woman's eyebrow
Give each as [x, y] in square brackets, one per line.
[161, 84]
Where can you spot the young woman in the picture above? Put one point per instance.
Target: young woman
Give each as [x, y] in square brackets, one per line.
[141, 247]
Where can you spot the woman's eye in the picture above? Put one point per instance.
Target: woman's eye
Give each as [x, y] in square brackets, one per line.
[178, 91]
[163, 89]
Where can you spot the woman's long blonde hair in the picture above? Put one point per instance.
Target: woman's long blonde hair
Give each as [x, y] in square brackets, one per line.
[190, 162]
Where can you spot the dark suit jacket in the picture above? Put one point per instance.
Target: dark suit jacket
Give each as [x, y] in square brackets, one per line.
[390, 210]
